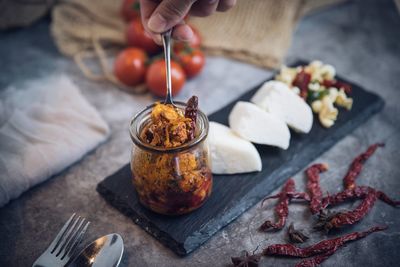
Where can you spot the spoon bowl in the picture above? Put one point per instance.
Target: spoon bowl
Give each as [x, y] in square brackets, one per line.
[105, 251]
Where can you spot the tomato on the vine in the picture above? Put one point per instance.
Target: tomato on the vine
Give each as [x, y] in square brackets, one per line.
[192, 61]
[130, 9]
[156, 78]
[136, 36]
[130, 66]
[194, 42]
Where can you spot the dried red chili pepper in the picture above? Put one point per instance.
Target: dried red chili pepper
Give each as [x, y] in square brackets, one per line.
[287, 193]
[350, 217]
[345, 195]
[291, 195]
[318, 248]
[317, 260]
[192, 108]
[385, 198]
[301, 81]
[356, 166]
[356, 193]
[281, 208]
[328, 221]
[339, 85]
[313, 186]
[191, 113]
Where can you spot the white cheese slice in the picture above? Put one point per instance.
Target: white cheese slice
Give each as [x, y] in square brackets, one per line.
[258, 126]
[229, 153]
[278, 99]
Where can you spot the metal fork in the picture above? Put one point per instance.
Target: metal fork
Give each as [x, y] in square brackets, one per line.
[63, 246]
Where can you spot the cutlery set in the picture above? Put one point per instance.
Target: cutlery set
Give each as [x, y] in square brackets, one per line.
[105, 251]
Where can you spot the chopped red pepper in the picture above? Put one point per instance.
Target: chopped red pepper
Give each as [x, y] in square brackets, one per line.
[345, 86]
[314, 187]
[356, 166]
[287, 193]
[328, 83]
[301, 81]
[339, 85]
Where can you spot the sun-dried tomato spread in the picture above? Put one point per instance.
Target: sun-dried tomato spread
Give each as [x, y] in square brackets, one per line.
[172, 182]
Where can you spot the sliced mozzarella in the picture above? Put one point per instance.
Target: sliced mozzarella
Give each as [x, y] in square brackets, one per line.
[258, 126]
[278, 99]
[230, 153]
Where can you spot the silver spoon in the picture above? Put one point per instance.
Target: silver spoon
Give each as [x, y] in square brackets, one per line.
[105, 251]
[166, 38]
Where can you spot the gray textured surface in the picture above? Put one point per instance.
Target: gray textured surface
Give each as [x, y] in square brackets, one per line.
[362, 42]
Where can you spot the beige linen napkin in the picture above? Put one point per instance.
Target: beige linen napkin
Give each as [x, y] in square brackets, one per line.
[45, 126]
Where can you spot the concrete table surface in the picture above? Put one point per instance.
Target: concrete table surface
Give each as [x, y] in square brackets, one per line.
[360, 38]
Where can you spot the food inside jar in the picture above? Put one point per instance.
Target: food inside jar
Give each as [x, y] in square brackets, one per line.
[173, 182]
[168, 127]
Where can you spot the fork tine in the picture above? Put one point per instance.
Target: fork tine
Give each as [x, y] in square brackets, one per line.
[67, 236]
[61, 234]
[76, 241]
[73, 235]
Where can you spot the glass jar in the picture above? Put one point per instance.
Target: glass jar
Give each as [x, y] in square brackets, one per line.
[171, 181]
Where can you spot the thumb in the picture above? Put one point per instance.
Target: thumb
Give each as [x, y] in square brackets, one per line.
[168, 14]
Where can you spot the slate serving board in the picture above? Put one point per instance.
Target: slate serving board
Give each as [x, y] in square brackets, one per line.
[234, 194]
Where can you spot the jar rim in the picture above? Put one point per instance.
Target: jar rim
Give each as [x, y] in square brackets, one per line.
[135, 135]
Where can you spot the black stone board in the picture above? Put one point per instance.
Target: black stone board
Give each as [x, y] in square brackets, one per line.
[234, 194]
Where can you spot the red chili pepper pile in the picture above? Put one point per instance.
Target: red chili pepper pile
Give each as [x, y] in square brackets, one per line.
[318, 205]
[368, 195]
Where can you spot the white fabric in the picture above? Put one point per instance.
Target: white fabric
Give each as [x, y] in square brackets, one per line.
[45, 126]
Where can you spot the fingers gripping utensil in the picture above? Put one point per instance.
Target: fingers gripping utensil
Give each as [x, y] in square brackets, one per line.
[166, 38]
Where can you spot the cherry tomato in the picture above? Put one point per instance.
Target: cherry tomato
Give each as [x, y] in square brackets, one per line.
[194, 42]
[192, 61]
[136, 36]
[156, 78]
[130, 66]
[130, 9]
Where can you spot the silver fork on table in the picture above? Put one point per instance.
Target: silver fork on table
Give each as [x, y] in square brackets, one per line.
[64, 245]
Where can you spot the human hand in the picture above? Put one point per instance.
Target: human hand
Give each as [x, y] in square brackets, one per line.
[159, 16]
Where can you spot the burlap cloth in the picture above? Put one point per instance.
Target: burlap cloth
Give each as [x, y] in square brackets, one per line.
[254, 31]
